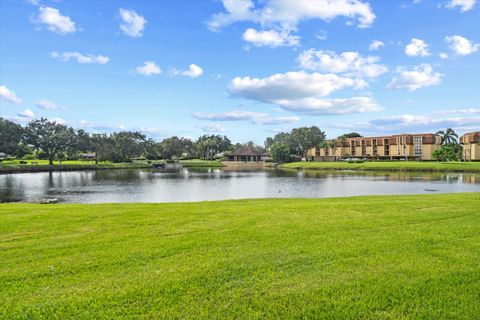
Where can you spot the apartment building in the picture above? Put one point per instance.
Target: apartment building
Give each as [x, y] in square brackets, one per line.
[403, 146]
[471, 146]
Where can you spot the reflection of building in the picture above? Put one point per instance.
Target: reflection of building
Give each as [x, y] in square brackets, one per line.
[402, 146]
[471, 146]
[246, 154]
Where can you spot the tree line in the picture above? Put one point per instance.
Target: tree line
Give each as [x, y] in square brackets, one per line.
[44, 139]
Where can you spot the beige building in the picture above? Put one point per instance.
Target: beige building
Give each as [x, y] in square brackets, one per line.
[471, 146]
[403, 146]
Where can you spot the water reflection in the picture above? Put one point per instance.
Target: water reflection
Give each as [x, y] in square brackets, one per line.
[214, 184]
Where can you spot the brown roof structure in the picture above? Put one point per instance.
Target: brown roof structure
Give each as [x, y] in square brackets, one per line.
[247, 151]
[471, 137]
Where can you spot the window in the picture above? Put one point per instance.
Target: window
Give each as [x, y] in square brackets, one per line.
[418, 146]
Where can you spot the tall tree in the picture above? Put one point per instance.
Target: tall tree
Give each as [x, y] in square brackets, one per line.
[280, 152]
[448, 136]
[127, 145]
[102, 145]
[11, 138]
[50, 137]
[351, 135]
[305, 138]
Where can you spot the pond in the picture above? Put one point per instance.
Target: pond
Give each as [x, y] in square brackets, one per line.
[216, 184]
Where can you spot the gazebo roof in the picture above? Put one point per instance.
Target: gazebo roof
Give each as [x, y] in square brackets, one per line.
[247, 151]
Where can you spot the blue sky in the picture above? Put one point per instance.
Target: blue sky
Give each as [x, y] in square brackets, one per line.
[244, 68]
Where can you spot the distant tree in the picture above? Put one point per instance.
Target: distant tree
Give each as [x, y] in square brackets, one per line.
[448, 152]
[448, 136]
[153, 150]
[49, 137]
[82, 142]
[127, 145]
[207, 146]
[280, 152]
[305, 138]
[175, 147]
[102, 145]
[11, 138]
[268, 142]
[351, 135]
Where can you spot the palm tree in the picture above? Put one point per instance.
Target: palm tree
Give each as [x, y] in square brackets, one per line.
[448, 136]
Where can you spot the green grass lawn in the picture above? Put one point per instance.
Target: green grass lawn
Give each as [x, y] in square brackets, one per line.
[379, 257]
[201, 163]
[388, 165]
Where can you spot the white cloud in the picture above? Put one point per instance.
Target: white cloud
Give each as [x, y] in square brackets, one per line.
[58, 120]
[321, 35]
[350, 63]
[290, 13]
[459, 111]
[319, 106]
[27, 114]
[461, 46]
[283, 16]
[417, 47]
[443, 55]
[465, 5]
[212, 128]
[375, 45]
[253, 117]
[54, 20]
[149, 68]
[291, 85]
[418, 77]
[193, 71]
[302, 92]
[80, 58]
[9, 95]
[270, 38]
[412, 123]
[132, 23]
[48, 105]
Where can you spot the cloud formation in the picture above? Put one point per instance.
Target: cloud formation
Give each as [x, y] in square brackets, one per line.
[48, 105]
[417, 48]
[349, 63]
[9, 96]
[290, 13]
[461, 46]
[253, 117]
[149, 68]
[375, 45]
[132, 24]
[303, 92]
[270, 38]
[418, 77]
[54, 20]
[26, 114]
[212, 128]
[193, 71]
[80, 58]
[465, 5]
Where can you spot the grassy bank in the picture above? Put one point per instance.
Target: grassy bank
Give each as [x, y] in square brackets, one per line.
[201, 163]
[390, 257]
[387, 166]
[42, 165]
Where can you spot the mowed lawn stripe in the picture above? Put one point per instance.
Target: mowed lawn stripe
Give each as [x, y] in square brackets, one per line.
[377, 257]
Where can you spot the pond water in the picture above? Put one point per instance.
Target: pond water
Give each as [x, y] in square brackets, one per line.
[214, 184]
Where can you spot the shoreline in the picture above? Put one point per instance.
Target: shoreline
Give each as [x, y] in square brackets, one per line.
[454, 167]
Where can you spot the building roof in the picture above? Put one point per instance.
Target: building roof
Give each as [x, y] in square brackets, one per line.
[470, 137]
[247, 151]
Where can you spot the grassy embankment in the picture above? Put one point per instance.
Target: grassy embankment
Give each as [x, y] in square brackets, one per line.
[387, 166]
[42, 165]
[378, 257]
